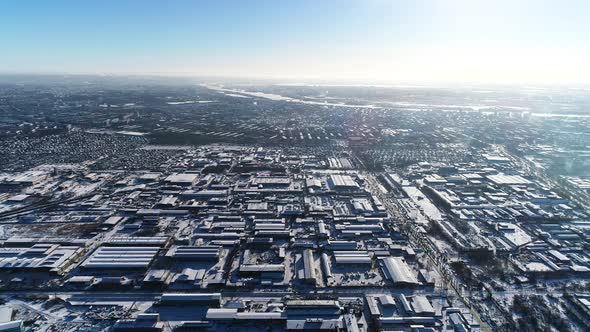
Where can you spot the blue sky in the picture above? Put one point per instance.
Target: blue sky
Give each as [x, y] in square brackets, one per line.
[501, 41]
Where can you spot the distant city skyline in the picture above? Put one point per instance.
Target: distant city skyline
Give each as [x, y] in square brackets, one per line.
[512, 42]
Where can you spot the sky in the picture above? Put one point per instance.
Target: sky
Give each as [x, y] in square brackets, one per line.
[365, 41]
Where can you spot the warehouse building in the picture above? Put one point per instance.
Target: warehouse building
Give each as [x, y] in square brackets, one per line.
[184, 179]
[398, 271]
[352, 257]
[338, 182]
[121, 258]
[309, 274]
[40, 257]
[194, 252]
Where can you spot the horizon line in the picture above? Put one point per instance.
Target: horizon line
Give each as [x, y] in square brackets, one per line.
[311, 81]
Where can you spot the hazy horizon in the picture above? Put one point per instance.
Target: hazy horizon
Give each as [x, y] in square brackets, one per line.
[372, 42]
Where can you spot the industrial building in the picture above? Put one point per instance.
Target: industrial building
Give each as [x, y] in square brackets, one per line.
[398, 271]
[121, 258]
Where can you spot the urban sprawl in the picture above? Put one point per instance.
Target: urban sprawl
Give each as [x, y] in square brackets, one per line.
[187, 207]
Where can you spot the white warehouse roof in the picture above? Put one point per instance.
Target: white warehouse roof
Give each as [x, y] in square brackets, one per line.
[396, 269]
[121, 258]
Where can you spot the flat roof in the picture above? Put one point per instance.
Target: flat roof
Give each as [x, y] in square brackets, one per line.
[182, 178]
[262, 268]
[507, 179]
[340, 180]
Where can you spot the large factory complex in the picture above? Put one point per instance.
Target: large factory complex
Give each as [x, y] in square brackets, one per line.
[224, 237]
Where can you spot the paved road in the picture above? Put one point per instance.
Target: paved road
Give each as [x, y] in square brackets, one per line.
[150, 295]
[412, 231]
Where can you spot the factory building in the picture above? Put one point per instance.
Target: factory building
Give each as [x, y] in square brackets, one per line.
[194, 252]
[121, 258]
[309, 266]
[40, 257]
[338, 182]
[398, 271]
[184, 179]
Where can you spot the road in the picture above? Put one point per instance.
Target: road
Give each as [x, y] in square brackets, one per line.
[417, 237]
[150, 295]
